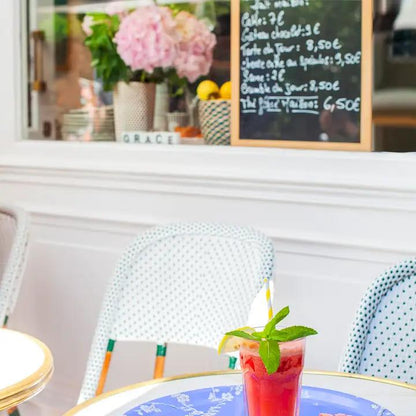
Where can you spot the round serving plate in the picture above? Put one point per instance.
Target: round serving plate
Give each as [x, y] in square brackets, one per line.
[322, 388]
[229, 401]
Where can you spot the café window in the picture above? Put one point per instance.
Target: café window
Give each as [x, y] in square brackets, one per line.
[70, 97]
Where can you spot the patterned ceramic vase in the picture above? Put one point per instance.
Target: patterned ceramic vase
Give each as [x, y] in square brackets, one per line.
[214, 117]
[134, 106]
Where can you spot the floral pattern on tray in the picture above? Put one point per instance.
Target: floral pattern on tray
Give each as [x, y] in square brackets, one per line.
[229, 401]
[217, 400]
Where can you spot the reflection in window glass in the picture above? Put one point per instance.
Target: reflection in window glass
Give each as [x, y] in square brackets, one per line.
[67, 100]
[63, 84]
[394, 82]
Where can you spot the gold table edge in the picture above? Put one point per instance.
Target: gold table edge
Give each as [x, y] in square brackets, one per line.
[23, 395]
[103, 396]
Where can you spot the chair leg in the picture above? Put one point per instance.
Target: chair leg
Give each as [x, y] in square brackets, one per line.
[106, 366]
[13, 411]
[160, 361]
[232, 362]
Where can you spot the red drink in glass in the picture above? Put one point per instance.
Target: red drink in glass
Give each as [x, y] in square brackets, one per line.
[277, 394]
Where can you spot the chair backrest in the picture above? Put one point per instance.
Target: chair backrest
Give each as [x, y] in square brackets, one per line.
[382, 342]
[14, 235]
[182, 283]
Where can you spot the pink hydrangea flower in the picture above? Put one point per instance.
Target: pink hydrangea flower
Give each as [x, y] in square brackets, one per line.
[86, 25]
[195, 47]
[146, 39]
[115, 7]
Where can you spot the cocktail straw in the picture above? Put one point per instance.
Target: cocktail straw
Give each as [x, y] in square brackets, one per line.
[268, 299]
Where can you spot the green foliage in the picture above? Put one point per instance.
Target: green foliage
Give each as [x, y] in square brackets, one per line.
[222, 8]
[276, 319]
[177, 86]
[242, 334]
[56, 27]
[291, 333]
[269, 352]
[181, 7]
[105, 59]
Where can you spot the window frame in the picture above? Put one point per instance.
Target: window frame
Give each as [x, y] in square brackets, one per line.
[267, 164]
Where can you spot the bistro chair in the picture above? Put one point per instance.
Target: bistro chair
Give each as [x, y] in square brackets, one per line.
[14, 235]
[382, 342]
[182, 283]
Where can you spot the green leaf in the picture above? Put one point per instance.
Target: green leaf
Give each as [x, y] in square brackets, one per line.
[97, 15]
[291, 333]
[105, 59]
[270, 355]
[275, 320]
[242, 334]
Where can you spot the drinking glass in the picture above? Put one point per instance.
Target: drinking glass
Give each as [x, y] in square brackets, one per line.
[276, 394]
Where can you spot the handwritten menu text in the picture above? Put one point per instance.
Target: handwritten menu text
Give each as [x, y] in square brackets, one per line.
[295, 60]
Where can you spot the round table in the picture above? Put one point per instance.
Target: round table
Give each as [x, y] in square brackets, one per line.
[26, 365]
[399, 398]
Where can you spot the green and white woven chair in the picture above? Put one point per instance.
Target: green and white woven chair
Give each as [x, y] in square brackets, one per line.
[14, 236]
[180, 283]
[382, 342]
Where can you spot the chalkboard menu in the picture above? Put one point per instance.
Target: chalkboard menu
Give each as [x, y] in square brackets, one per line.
[304, 73]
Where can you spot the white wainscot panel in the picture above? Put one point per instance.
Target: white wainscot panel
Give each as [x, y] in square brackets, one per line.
[71, 260]
[332, 238]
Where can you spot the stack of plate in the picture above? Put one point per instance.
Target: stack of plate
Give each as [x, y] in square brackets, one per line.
[89, 124]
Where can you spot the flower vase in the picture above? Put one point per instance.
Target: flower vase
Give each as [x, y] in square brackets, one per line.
[134, 107]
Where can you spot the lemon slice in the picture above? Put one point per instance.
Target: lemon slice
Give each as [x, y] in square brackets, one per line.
[231, 343]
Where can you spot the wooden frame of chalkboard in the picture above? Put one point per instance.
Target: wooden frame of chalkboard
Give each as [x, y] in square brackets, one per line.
[311, 130]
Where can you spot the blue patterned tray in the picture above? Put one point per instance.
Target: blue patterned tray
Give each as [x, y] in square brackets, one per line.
[229, 401]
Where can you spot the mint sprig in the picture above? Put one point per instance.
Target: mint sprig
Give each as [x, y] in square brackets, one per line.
[291, 333]
[270, 355]
[271, 325]
[243, 334]
[270, 337]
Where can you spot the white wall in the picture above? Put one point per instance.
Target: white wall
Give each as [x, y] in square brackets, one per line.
[337, 220]
[332, 236]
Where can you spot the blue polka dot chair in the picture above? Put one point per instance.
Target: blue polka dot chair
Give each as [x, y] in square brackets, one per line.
[382, 342]
[181, 283]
